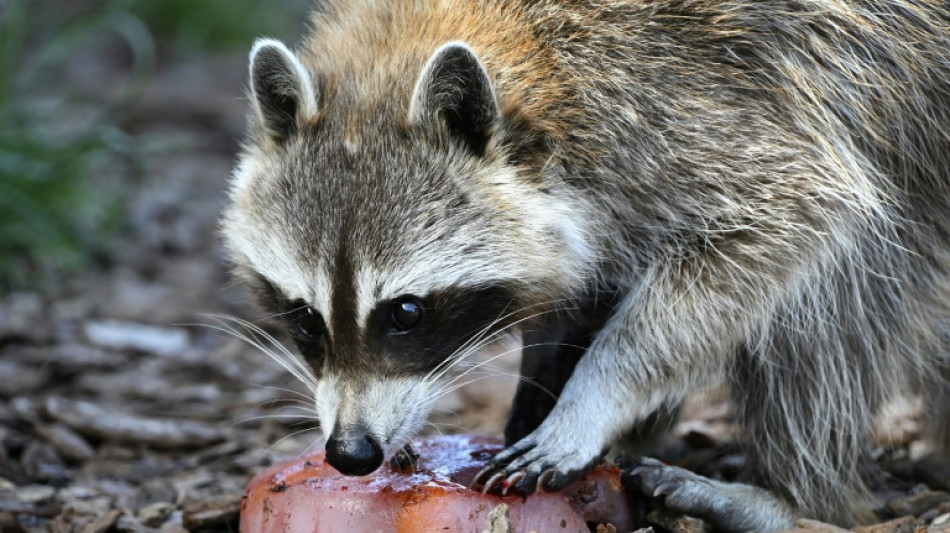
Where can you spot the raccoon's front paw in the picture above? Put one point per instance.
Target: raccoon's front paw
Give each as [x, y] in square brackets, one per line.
[539, 461]
[405, 459]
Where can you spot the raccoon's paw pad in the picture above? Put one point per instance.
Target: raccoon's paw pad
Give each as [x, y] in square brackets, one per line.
[530, 466]
[678, 489]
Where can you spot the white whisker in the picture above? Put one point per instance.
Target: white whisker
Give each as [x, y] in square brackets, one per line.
[473, 347]
[290, 435]
[284, 357]
[482, 337]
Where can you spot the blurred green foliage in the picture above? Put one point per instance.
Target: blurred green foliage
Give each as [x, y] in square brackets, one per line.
[217, 24]
[55, 218]
[65, 161]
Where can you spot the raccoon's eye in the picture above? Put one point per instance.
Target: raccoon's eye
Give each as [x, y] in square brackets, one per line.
[306, 324]
[406, 313]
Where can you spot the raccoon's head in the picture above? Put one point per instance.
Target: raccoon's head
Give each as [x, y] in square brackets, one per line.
[393, 236]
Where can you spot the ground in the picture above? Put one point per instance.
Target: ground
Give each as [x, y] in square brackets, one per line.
[125, 406]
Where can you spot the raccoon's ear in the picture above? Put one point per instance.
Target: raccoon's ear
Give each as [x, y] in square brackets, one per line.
[281, 89]
[455, 87]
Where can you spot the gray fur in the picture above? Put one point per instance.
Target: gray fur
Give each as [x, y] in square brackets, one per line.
[765, 186]
[726, 506]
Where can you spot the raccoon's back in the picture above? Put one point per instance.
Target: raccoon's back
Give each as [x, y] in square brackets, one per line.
[705, 105]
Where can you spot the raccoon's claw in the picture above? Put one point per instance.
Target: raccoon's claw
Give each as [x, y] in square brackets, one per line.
[511, 481]
[490, 484]
[544, 479]
[529, 467]
[481, 473]
[404, 459]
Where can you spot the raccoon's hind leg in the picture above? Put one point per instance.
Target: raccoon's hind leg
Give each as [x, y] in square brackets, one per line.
[726, 506]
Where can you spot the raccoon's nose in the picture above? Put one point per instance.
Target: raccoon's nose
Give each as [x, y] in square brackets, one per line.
[354, 452]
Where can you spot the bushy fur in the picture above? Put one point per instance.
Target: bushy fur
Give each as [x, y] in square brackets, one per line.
[764, 186]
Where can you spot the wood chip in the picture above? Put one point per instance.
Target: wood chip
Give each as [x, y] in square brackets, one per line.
[498, 520]
[806, 525]
[17, 379]
[155, 514]
[19, 315]
[111, 424]
[103, 523]
[904, 524]
[677, 523]
[67, 443]
[215, 514]
[941, 524]
[118, 335]
[917, 503]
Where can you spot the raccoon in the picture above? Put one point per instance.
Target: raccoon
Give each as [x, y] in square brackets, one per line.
[658, 194]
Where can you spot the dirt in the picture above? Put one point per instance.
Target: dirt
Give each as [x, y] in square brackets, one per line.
[126, 405]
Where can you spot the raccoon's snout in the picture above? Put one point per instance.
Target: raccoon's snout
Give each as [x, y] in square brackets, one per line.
[354, 452]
